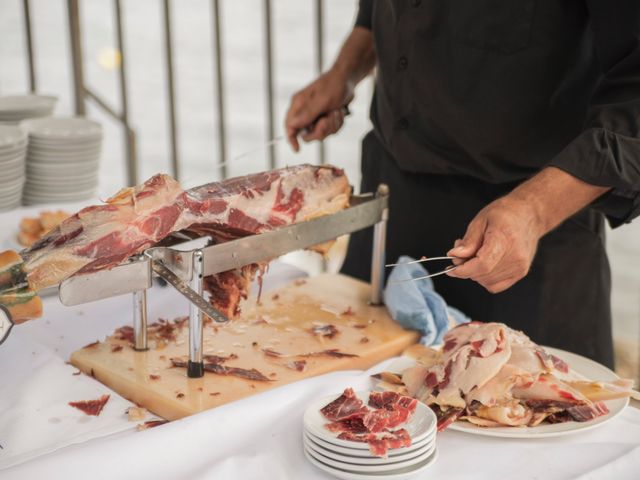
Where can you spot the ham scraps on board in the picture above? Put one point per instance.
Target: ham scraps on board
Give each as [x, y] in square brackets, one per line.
[102, 236]
[493, 376]
[354, 421]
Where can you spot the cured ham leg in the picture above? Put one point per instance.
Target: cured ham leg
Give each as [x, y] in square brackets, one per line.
[102, 236]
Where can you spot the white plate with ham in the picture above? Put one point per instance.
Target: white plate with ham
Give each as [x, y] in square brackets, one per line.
[583, 367]
[491, 380]
[339, 420]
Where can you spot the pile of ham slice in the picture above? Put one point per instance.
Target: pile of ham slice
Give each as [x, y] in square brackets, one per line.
[493, 376]
[102, 236]
[354, 421]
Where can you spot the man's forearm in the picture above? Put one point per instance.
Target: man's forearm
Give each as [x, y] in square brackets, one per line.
[555, 195]
[357, 56]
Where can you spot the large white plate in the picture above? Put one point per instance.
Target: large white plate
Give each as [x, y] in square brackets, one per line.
[584, 366]
[14, 104]
[369, 459]
[421, 424]
[400, 474]
[59, 128]
[381, 468]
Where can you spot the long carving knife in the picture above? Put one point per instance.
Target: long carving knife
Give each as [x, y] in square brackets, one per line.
[205, 307]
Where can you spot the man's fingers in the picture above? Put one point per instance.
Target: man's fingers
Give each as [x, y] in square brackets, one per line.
[292, 138]
[471, 242]
[327, 125]
[486, 259]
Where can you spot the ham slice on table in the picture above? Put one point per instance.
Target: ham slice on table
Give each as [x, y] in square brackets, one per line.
[491, 375]
[102, 236]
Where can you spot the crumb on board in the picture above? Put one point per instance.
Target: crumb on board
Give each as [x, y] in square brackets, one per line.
[154, 377]
[213, 394]
[135, 414]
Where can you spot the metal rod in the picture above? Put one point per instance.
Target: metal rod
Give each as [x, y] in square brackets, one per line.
[195, 368]
[26, 7]
[129, 133]
[168, 44]
[269, 73]
[102, 104]
[217, 48]
[140, 320]
[76, 56]
[378, 252]
[320, 62]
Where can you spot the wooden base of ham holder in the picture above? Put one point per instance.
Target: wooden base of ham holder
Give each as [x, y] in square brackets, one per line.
[283, 323]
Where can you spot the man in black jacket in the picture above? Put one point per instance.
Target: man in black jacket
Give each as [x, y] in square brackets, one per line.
[507, 131]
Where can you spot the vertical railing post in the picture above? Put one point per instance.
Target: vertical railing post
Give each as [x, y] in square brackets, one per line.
[217, 49]
[76, 57]
[129, 134]
[26, 7]
[168, 44]
[378, 252]
[320, 62]
[270, 89]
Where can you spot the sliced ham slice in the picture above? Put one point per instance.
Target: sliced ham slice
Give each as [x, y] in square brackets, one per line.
[347, 405]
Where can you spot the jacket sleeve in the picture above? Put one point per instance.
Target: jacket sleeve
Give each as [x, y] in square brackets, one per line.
[365, 10]
[607, 152]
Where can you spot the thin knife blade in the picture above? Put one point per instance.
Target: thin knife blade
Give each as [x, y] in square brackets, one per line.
[204, 306]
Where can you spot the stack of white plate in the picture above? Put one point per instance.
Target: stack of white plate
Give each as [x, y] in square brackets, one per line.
[16, 108]
[62, 159]
[13, 148]
[353, 460]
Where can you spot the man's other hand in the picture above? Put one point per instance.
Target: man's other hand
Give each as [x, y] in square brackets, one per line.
[323, 98]
[499, 245]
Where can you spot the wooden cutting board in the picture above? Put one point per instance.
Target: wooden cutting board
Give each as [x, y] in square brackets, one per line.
[282, 324]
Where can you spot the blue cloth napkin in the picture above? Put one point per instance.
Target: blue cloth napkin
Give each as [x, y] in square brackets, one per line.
[416, 305]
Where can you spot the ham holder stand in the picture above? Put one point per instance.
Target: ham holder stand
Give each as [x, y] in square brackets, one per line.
[185, 269]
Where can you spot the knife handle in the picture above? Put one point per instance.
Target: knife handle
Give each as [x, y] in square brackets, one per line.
[309, 128]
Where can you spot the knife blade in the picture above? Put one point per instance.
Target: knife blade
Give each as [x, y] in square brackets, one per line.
[274, 141]
[205, 307]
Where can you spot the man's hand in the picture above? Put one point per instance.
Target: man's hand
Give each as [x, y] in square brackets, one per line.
[501, 240]
[331, 91]
[500, 244]
[325, 96]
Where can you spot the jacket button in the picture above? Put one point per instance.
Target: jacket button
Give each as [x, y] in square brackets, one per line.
[403, 63]
[403, 123]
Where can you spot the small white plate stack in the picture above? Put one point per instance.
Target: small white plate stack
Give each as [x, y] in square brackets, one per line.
[13, 148]
[63, 159]
[16, 108]
[353, 461]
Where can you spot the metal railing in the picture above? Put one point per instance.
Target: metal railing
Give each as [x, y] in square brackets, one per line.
[82, 92]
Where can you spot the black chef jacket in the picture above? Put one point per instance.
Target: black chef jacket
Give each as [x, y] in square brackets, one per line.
[498, 89]
[474, 96]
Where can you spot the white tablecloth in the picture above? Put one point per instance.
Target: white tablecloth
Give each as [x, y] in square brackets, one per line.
[259, 437]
